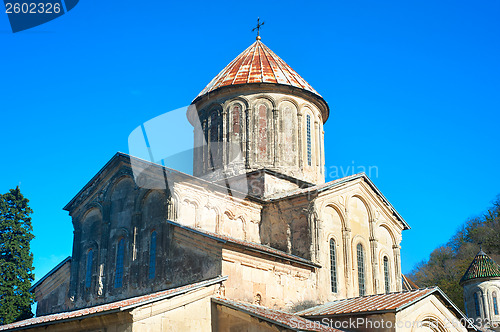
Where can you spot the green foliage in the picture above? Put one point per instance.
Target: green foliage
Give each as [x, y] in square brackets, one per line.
[16, 260]
[447, 264]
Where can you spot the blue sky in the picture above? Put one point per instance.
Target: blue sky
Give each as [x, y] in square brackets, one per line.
[413, 88]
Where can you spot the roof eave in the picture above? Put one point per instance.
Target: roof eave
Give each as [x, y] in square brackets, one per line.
[311, 94]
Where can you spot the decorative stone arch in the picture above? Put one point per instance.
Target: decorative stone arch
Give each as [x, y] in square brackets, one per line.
[115, 179]
[391, 232]
[210, 108]
[196, 203]
[88, 208]
[141, 198]
[306, 106]
[175, 201]
[141, 201]
[356, 239]
[262, 96]
[430, 321]
[218, 215]
[474, 289]
[82, 216]
[281, 100]
[335, 237]
[340, 211]
[367, 206]
[231, 216]
[239, 99]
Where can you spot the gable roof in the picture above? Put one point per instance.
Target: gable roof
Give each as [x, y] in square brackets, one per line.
[407, 283]
[336, 183]
[277, 317]
[102, 309]
[482, 266]
[51, 272]
[369, 304]
[251, 246]
[381, 303]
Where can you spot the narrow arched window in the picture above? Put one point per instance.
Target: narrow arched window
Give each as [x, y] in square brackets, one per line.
[476, 305]
[214, 139]
[88, 269]
[152, 256]
[333, 267]
[495, 303]
[308, 132]
[386, 275]
[361, 269]
[120, 252]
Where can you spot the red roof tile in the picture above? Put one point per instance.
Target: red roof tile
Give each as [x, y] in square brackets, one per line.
[407, 283]
[114, 306]
[278, 317]
[257, 64]
[372, 303]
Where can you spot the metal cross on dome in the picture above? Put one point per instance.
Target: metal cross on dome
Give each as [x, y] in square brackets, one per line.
[258, 28]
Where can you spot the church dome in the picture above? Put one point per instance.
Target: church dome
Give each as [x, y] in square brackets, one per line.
[259, 115]
[481, 267]
[257, 64]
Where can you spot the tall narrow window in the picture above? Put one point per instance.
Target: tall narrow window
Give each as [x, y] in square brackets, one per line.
[88, 270]
[262, 133]
[333, 267]
[386, 275]
[361, 269]
[476, 305]
[214, 139]
[152, 256]
[309, 156]
[495, 304]
[120, 252]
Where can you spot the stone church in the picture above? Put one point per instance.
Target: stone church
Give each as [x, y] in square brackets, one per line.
[254, 240]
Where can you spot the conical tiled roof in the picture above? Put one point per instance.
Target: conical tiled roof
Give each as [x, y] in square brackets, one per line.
[481, 267]
[257, 64]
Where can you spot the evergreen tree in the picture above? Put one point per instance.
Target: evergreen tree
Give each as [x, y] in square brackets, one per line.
[16, 260]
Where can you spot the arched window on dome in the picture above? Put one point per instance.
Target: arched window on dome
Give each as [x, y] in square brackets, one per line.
[152, 255]
[495, 303]
[214, 138]
[88, 269]
[308, 133]
[236, 132]
[476, 305]
[387, 280]
[262, 139]
[333, 267]
[120, 253]
[361, 269]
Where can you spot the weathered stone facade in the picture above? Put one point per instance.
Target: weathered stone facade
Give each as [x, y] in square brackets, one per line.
[257, 212]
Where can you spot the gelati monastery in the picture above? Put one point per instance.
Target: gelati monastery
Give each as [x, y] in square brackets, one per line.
[254, 240]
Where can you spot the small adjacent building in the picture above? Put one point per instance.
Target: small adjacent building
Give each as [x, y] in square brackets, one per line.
[481, 283]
